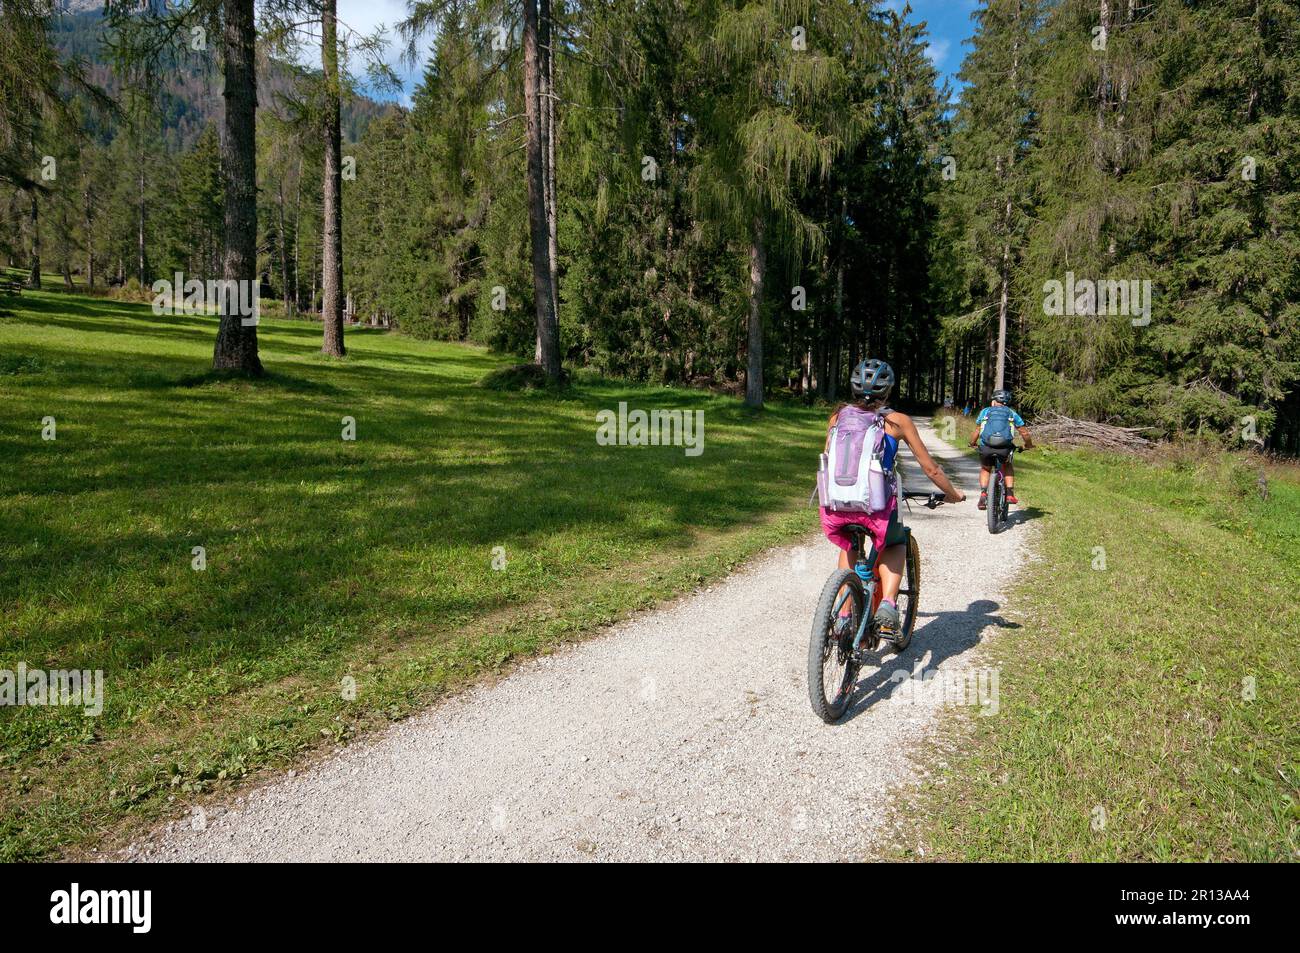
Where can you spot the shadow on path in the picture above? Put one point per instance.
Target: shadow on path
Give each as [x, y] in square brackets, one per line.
[946, 634]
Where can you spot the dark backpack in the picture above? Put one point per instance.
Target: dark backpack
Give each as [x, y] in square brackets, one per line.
[997, 428]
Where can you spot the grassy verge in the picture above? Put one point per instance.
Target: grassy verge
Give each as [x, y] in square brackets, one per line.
[325, 559]
[1149, 703]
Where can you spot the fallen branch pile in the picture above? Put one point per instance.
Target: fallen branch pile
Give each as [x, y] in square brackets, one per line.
[1063, 431]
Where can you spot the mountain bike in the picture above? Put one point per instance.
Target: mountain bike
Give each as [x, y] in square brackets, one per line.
[997, 508]
[997, 490]
[844, 630]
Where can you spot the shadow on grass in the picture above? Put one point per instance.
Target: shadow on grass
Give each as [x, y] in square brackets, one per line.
[271, 380]
[314, 542]
[1025, 514]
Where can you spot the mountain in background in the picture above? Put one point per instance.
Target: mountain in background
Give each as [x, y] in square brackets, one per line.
[190, 97]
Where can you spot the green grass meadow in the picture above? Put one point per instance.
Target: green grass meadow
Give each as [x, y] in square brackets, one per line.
[325, 559]
[1162, 688]
[1150, 709]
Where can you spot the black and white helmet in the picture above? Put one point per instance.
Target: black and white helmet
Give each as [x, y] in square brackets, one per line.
[1003, 397]
[872, 379]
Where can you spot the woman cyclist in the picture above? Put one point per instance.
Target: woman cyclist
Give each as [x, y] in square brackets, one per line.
[871, 384]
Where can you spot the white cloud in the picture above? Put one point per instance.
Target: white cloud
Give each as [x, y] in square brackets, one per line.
[364, 16]
[937, 50]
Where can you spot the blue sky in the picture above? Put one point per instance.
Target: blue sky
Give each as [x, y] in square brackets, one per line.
[949, 24]
[948, 21]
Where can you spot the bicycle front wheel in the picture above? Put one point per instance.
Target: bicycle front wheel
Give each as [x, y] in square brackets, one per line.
[909, 595]
[832, 672]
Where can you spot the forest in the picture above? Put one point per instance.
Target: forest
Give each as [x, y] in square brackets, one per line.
[748, 196]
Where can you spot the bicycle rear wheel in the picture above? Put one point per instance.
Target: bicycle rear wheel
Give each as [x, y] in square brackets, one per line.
[832, 672]
[996, 494]
[909, 595]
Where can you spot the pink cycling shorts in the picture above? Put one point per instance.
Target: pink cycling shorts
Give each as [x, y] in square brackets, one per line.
[876, 523]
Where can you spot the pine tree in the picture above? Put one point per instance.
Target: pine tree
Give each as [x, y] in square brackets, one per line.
[766, 128]
[995, 132]
[1224, 351]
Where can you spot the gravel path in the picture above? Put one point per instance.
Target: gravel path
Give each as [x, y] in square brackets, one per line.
[683, 734]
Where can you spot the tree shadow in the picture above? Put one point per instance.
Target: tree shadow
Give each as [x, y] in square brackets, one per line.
[946, 635]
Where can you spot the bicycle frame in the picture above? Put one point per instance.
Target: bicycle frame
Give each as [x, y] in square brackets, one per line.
[865, 554]
[998, 477]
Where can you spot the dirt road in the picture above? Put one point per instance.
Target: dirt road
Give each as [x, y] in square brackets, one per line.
[684, 733]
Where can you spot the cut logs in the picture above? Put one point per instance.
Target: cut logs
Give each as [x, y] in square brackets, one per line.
[1062, 431]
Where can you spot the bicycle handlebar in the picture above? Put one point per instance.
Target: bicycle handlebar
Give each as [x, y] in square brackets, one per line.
[931, 499]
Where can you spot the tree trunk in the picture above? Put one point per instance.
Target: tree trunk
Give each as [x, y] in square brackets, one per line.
[90, 254]
[967, 373]
[297, 233]
[548, 346]
[65, 246]
[332, 210]
[757, 266]
[140, 264]
[548, 112]
[284, 247]
[34, 277]
[958, 394]
[87, 211]
[236, 347]
[1005, 276]
[315, 279]
[1002, 313]
[833, 360]
[986, 378]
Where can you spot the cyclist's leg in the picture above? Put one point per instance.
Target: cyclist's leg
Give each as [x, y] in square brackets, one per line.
[1009, 473]
[893, 559]
[892, 562]
[986, 464]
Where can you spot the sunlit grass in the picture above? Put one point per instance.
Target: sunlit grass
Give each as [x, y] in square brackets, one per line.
[1149, 703]
[325, 558]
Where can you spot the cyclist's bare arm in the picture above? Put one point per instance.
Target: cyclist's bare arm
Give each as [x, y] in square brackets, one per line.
[1024, 433]
[907, 432]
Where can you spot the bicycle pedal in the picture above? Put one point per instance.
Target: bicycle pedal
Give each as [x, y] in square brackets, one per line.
[869, 645]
